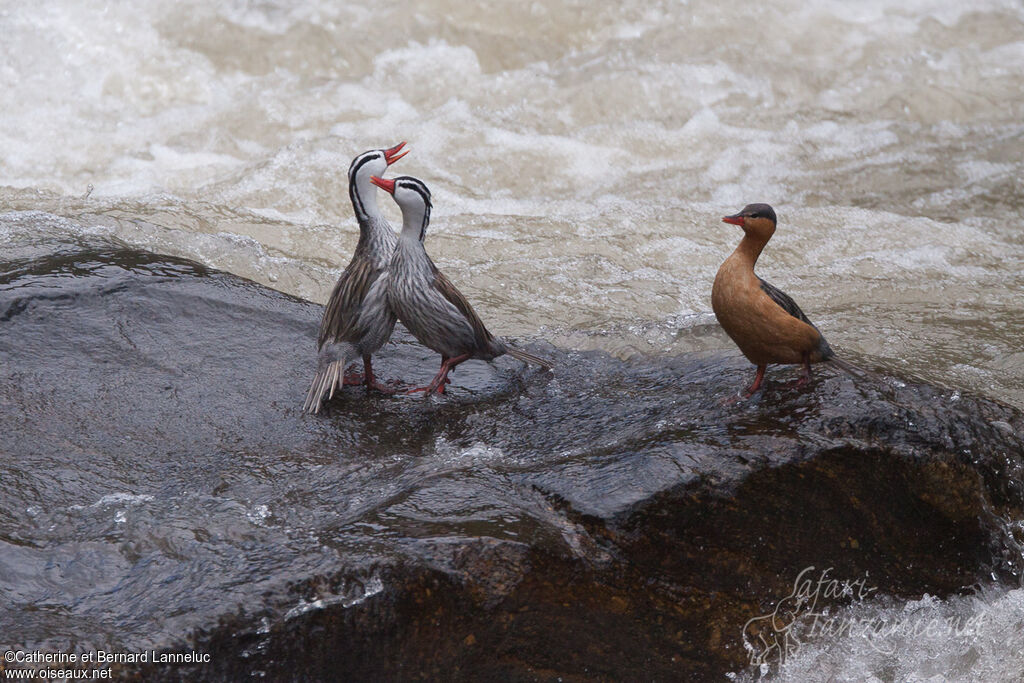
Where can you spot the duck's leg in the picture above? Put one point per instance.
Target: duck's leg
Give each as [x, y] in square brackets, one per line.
[758, 380]
[429, 388]
[805, 374]
[352, 379]
[805, 377]
[749, 391]
[447, 365]
[370, 381]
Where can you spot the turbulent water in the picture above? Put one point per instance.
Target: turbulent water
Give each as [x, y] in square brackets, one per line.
[580, 158]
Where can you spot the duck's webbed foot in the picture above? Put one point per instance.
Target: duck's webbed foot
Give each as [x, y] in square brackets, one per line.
[805, 374]
[749, 391]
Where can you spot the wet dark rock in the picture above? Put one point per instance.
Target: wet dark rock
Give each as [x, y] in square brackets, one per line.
[610, 520]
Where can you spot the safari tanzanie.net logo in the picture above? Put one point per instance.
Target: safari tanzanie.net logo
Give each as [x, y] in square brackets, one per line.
[813, 611]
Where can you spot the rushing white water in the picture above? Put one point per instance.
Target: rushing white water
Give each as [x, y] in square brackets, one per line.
[580, 157]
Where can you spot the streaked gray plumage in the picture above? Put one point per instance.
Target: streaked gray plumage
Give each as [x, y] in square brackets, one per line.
[357, 320]
[426, 301]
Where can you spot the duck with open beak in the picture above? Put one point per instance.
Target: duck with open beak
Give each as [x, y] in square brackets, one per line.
[357, 320]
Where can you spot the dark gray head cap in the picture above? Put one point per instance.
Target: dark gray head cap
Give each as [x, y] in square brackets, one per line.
[759, 211]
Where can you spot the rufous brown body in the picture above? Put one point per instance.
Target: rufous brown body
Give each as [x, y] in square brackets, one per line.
[764, 322]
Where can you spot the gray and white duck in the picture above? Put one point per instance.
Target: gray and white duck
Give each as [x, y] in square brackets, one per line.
[426, 301]
[357, 321]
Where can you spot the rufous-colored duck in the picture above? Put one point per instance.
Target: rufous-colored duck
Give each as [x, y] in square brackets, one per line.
[764, 322]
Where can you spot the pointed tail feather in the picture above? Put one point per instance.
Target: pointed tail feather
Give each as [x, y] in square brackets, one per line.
[849, 368]
[312, 403]
[323, 385]
[529, 358]
[330, 374]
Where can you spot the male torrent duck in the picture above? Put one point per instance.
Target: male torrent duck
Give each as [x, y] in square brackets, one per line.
[357, 320]
[426, 301]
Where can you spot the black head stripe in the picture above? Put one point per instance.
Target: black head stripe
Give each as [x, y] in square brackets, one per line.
[353, 169]
[417, 186]
[358, 162]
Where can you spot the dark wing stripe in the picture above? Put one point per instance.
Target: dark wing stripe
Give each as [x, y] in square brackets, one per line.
[785, 301]
[789, 306]
[454, 296]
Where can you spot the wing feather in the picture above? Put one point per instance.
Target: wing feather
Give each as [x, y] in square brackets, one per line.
[789, 306]
[341, 315]
[443, 285]
[785, 301]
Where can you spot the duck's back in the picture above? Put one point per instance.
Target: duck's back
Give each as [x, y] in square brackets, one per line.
[420, 305]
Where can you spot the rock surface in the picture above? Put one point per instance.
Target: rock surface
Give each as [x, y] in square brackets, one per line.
[609, 520]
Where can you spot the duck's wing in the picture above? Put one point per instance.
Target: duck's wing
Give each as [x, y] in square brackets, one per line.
[784, 300]
[445, 287]
[342, 312]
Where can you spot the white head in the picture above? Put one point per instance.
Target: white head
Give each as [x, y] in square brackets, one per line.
[364, 167]
[413, 197]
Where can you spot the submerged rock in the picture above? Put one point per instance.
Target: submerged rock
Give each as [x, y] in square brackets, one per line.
[162, 490]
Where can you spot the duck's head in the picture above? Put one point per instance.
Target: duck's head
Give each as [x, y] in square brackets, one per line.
[757, 220]
[408, 192]
[374, 162]
[412, 197]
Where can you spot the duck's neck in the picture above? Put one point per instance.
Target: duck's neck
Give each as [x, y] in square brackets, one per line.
[364, 202]
[749, 249]
[414, 223]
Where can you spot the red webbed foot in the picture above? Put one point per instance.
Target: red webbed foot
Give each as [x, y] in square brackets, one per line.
[352, 379]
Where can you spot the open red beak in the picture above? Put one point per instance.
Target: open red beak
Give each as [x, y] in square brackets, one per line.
[392, 155]
[386, 185]
[735, 219]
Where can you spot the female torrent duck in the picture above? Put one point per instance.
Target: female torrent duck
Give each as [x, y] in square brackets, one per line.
[764, 322]
[357, 320]
[426, 301]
